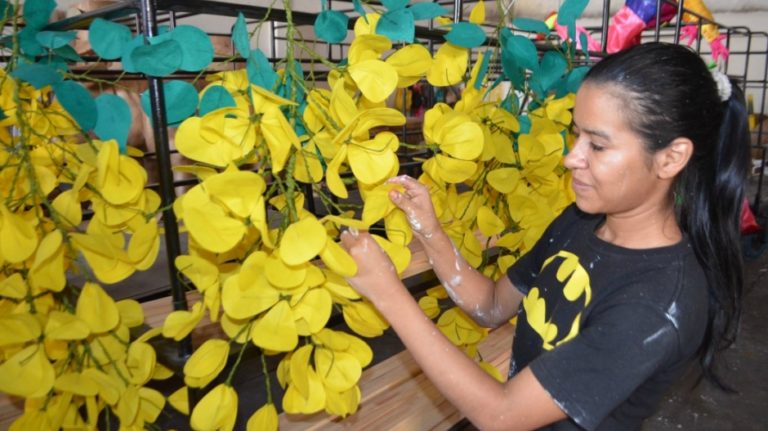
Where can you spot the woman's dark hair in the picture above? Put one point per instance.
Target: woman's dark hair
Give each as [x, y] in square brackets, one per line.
[668, 92]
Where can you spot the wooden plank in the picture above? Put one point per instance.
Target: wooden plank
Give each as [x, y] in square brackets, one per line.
[398, 396]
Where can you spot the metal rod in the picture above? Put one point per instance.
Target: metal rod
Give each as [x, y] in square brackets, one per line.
[657, 31]
[606, 26]
[678, 19]
[167, 193]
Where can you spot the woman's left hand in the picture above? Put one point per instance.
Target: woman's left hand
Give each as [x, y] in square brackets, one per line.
[376, 274]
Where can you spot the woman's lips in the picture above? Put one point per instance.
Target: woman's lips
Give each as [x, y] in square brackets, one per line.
[579, 186]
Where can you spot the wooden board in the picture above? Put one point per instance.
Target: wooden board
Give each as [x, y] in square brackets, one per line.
[398, 396]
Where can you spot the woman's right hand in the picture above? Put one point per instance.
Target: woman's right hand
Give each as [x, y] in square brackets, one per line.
[417, 205]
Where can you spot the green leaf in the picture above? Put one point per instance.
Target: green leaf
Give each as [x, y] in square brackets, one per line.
[397, 25]
[584, 45]
[125, 57]
[531, 25]
[576, 77]
[196, 47]
[214, 98]
[466, 35]
[6, 10]
[422, 11]
[78, 102]
[114, 119]
[394, 4]
[553, 66]
[180, 101]
[260, 71]
[67, 53]
[359, 8]
[108, 39]
[512, 70]
[28, 42]
[240, 36]
[523, 52]
[569, 11]
[483, 69]
[38, 12]
[55, 39]
[37, 75]
[331, 26]
[157, 60]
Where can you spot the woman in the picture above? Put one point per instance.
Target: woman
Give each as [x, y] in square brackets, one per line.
[625, 287]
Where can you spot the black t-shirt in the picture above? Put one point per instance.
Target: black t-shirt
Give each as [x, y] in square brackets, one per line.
[605, 329]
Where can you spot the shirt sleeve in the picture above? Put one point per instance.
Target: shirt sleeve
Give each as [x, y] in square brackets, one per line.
[615, 352]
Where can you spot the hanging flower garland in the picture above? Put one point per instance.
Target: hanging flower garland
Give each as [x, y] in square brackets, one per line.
[269, 272]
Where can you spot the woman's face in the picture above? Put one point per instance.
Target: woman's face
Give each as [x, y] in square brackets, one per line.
[612, 172]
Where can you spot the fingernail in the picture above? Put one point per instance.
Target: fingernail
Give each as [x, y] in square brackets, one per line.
[353, 231]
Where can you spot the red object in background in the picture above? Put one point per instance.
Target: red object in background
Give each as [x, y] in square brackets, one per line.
[748, 222]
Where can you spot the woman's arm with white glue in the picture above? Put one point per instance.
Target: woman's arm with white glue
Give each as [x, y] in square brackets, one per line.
[489, 303]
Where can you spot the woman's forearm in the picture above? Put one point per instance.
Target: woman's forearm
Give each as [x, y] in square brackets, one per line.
[469, 289]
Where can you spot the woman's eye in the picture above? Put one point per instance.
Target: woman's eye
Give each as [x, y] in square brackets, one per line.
[596, 147]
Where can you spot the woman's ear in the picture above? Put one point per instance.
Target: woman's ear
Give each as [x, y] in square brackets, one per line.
[671, 160]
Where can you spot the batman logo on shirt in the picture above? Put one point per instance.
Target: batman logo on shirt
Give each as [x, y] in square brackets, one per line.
[554, 312]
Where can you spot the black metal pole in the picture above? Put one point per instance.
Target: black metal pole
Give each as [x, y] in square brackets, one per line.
[167, 193]
[606, 25]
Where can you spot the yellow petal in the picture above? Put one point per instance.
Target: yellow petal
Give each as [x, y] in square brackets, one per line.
[68, 206]
[263, 419]
[244, 300]
[398, 228]
[208, 224]
[338, 371]
[18, 329]
[13, 287]
[338, 286]
[312, 311]
[18, 239]
[294, 402]
[449, 169]
[368, 47]
[488, 222]
[97, 309]
[206, 363]
[284, 276]
[109, 387]
[399, 253]
[504, 179]
[131, 313]
[332, 177]
[280, 137]
[48, 272]
[216, 411]
[429, 305]
[140, 362]
[362, 318]
[144, 246]
[477, 16]
[27, 373]
[366, 24]
[298, 371]
[76, 383]
[372, 161]
[309, 167]
[151, 404]
[459, 136]
[302, 241]
[338, 260]
[411, 60]
[276, 330]
[202, 273]
[449, 66]
[375, 79]
[178, 324]
[179, 400]
[65, 326]
[342, 403]
[377, 204]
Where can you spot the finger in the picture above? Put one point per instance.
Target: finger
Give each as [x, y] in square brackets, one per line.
[409, 183]
[401, 201]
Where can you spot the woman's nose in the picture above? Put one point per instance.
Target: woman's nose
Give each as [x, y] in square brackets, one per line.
[575, 158]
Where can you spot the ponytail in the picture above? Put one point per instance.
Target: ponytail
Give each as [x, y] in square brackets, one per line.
[712, 222]
[670, 93]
